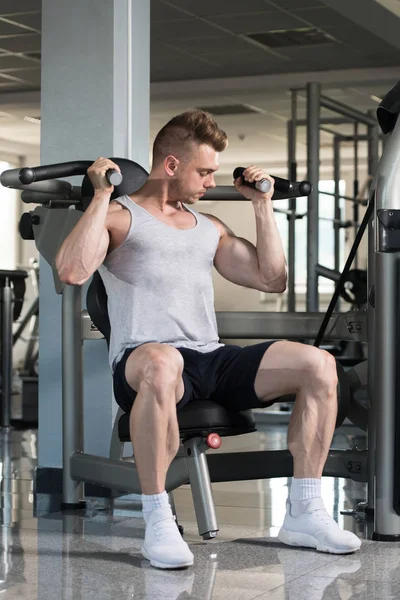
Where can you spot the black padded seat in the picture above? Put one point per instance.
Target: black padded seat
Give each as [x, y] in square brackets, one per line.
[196, 418]
[202, 417]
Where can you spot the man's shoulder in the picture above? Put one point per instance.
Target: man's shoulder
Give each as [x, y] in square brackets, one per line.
[117, 216]
[115, 207]
[220, 225]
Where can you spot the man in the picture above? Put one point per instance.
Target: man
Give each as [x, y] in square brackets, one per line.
[155, 255]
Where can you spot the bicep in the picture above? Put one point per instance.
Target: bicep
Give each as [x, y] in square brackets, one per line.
[236, 260]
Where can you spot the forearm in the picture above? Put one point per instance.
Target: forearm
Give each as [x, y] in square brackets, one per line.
[78, 254]
[270, 253]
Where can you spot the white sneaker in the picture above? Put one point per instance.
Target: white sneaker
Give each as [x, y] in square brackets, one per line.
[315, 528]
[163, 545]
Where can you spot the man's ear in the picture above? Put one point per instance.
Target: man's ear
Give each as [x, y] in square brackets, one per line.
[171, 164]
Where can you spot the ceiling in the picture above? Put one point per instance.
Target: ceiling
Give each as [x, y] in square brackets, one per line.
[209, 41]
[192, 39]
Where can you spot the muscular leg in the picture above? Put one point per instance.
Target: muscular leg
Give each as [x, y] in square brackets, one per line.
[310, 373]
[155, 372]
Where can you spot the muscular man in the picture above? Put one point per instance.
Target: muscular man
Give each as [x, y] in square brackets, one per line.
[155, 255]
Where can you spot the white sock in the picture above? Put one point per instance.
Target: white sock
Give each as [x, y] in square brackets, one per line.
[301, 492]
[151, 502]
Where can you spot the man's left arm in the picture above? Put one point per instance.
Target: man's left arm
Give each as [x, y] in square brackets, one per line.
[261, 267]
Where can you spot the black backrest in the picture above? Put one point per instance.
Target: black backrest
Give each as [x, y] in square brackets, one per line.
[389, 109]
[96, 302]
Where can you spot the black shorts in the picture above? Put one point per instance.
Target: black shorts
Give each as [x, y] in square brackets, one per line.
[225, 376]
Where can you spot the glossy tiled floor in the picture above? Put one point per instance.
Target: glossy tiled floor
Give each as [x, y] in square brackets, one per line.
[96, 555]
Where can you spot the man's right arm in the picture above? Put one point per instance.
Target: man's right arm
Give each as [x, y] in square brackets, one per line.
[85, 248]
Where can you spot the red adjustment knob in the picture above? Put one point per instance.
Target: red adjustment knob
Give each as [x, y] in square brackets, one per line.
[213, 440]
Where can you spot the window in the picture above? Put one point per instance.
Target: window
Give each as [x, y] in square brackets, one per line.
[8, 224]
[326, 251]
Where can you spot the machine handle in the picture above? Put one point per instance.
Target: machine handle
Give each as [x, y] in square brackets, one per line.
[26, 176]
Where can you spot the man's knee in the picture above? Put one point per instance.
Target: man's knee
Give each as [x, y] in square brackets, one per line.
[161, 367]
[321, 370]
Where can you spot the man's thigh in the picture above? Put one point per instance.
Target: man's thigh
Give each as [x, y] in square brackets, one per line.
[256, 376]
[128, 371]
[235, 370]
[285, 368]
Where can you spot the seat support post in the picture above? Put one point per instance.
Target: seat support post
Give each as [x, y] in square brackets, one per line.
[200, 484]
[6, 321]
[72, 392]
[116, 446]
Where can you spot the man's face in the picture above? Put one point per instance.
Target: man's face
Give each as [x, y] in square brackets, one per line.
[196, 174]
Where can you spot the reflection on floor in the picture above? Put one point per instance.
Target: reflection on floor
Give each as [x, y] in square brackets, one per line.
[96, 555]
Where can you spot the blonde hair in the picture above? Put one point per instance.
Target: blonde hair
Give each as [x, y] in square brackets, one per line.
[193, 126]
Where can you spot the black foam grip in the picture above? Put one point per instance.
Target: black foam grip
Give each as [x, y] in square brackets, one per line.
[284, 186]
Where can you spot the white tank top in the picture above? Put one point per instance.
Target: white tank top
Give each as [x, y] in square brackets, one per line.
[159, 284]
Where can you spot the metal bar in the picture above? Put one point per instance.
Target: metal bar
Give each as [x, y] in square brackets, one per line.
[345, 111]
[116, 446]
[331, 274]
[292, 175]
[351, 326]
[33, 310]
[331, 131]
[373, 145]
[121, 475]
[355, 190]
[326, 121]
[31, 197]
[349, 198]
[313, 143]
[72, 396]
[291, 133]
[371, 430]
[360, 137]
[337, 209]
[32, 347]
[387, 182]
[286, 211]
[339, 224]
[337, 212]
[268, 464]
[373, 160]
[387, 522]
[6, 351]
[350, 138]
[291, 326]
[200, 484]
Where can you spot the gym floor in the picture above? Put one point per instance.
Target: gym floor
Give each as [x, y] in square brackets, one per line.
[96, 555]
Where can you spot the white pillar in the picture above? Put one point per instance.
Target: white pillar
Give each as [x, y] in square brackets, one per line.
[94, 102]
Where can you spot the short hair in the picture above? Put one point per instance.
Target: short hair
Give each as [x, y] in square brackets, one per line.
[193, 126]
